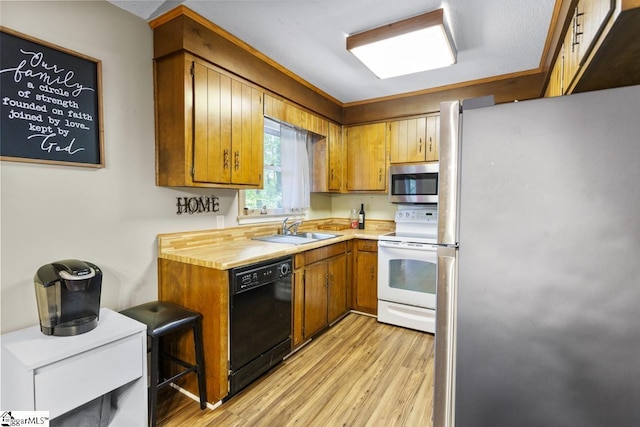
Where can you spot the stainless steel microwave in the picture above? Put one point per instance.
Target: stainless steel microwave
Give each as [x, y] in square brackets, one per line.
[415, 183]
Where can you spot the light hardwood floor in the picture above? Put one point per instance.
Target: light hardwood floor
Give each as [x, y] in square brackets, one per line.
[359, 373]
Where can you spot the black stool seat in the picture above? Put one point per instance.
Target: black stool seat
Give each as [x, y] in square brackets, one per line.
[163, 318]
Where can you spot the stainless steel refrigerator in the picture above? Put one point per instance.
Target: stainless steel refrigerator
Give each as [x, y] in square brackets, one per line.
[538, 299]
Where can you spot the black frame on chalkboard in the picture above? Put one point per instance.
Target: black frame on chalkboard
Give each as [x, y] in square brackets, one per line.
[50, 103]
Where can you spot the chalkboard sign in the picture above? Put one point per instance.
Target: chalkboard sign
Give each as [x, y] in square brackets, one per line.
[50, 106]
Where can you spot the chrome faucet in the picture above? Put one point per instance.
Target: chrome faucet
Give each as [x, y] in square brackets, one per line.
[287, 229]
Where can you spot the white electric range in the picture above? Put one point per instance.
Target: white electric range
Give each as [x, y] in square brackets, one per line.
[407, 270]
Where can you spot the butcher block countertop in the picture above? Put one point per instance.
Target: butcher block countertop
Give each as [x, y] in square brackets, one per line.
[227, 248]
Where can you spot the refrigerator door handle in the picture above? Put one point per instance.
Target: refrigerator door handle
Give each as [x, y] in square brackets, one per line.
[449, 174]
[445, 336]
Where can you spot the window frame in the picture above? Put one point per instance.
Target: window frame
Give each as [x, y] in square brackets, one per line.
[254, 216]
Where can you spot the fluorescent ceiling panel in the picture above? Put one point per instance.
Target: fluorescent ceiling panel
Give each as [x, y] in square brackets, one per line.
[416, 44]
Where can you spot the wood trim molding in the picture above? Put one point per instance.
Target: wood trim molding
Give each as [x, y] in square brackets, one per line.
[507, 88]
[185, 11]
[240, 58]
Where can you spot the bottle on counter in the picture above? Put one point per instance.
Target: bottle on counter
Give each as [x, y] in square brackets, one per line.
[354, 218]
[361, 217]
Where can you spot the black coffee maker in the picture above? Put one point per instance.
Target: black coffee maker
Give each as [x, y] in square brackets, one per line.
[68, 294]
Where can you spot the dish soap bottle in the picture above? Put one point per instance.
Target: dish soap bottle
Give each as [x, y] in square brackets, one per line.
[361, 217]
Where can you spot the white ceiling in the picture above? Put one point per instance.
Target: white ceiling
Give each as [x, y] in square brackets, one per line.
[307, 37]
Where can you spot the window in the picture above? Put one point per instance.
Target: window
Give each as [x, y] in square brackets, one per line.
[286, 183]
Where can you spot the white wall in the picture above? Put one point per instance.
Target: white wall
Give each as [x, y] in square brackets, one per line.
[109, 216]
[375, 206]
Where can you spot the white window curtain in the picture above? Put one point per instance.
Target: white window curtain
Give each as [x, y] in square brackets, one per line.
[295, 169]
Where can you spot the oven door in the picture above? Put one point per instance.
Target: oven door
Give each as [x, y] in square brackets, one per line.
[407, 273]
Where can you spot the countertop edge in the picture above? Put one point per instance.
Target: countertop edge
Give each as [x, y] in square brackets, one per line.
[265, 250]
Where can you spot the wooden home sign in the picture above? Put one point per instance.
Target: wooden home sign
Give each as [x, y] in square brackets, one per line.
[50, 105]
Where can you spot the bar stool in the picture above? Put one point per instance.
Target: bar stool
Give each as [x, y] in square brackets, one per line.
[163, 318]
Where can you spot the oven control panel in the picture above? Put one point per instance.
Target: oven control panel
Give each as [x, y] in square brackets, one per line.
[412, 223]
[422, 216]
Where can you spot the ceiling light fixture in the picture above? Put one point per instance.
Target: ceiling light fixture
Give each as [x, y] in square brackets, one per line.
[409, 46]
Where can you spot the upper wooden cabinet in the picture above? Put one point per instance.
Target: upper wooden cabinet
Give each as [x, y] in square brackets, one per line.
[336, 158]
[210, 126]
[328, 155]
[366, 157]
[588, 21]
[413, 140]
[284, 111]
[326, 149]
[554, 87]
[600, 48]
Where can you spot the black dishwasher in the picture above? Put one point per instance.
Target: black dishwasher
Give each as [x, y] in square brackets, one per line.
[259, 320]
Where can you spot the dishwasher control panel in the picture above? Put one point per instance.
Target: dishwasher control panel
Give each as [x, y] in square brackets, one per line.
[252, 276]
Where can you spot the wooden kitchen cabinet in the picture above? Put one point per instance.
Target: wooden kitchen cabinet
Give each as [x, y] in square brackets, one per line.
[413, 140]
[366, 158]
[338, 303]
[365, 277]
[554, 88]
[336, 157]
[433, 138]
[590, 22]
[326, 150]
[407, 140]
[328, 158]
[205, 290]
[320, 290]
[570, 60]
[210, 126]
[286, 112]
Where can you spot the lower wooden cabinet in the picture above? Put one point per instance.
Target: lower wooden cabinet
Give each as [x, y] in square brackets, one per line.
[320, 290]
[365, 277]
[205, 290]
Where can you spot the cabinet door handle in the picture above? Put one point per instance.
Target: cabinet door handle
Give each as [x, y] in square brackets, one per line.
[576, 30]
[332, 174]
[225, 159]
[326, 280]
[420, 146]
[373, 272]
[380, 175]
[236, 157]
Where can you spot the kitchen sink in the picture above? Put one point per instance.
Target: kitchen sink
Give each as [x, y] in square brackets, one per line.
[317, 236]
[296, 239]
